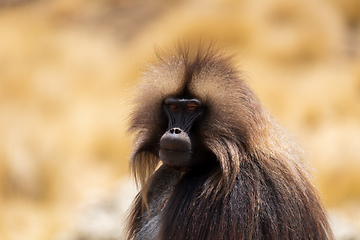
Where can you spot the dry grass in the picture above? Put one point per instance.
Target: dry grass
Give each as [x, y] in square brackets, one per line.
[67, 69]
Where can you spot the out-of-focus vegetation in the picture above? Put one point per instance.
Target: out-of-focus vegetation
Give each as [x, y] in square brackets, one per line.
[67, 68]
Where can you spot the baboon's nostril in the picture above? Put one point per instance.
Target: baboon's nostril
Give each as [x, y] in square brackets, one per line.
[175, 130]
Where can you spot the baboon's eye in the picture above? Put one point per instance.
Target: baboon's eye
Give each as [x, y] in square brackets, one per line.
[192, 108]
[173, 106]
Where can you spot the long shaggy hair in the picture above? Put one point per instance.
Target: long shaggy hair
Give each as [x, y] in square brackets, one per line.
[260, 188]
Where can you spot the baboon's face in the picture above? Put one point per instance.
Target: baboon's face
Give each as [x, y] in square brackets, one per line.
[180, 145]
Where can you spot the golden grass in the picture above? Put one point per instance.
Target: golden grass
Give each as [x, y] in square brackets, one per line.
[66, 73]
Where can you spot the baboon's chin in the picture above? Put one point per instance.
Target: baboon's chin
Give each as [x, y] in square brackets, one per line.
[180, 160]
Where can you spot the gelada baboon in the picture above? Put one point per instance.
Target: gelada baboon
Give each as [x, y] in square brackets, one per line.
[210, 160]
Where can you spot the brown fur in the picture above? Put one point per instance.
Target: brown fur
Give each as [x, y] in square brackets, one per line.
[259, 188]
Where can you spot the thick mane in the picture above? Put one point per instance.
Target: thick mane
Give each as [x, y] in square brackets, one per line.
[198, 72]
[259, 187]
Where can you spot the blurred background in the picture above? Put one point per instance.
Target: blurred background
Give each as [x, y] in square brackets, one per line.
[68, 69]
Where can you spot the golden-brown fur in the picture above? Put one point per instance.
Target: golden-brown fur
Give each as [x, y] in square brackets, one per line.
[259, 188]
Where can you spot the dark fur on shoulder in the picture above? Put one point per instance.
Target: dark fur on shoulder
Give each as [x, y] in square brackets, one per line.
[256, 185]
